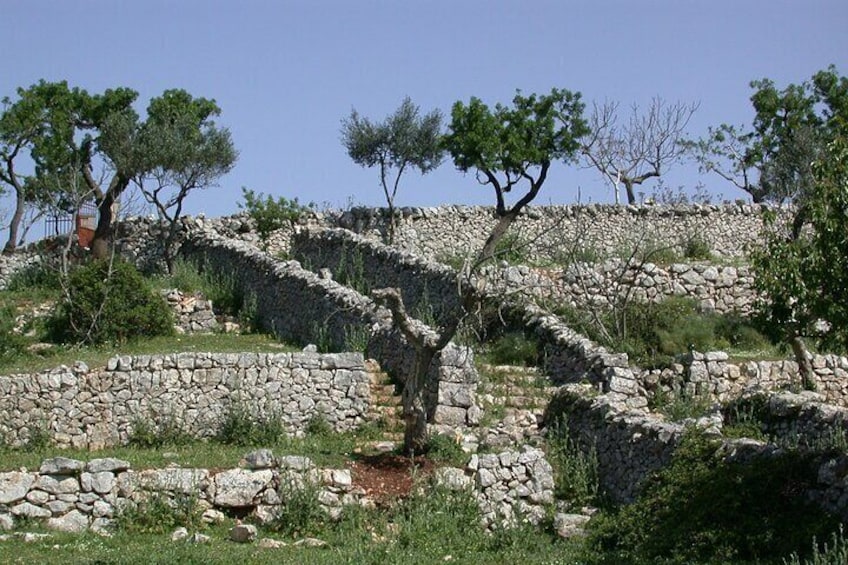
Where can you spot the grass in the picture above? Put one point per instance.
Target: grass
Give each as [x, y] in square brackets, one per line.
[326, 449]
[97, 356]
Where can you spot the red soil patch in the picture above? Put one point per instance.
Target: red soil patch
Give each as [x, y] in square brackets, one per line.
[386, 477]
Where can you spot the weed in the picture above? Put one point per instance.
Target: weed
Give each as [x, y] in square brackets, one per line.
[446, 449]
[152, 432]
[834, 554]
[300, 513]
[575, 469]
[160, 513]
[513, 348]
[39, 436]
[240, 426]
[356, 338]
[696, 247]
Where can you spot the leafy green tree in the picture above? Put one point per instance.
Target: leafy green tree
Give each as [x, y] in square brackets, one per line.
[802, 269]
[180, 150]
[29, 130]
[402, 141]
[508, 146]
[772, 160]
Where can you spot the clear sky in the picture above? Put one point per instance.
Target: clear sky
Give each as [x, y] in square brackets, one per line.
[286, 72]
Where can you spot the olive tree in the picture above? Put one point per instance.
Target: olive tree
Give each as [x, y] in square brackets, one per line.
[403, 140]
[509, 148]
[181, 150]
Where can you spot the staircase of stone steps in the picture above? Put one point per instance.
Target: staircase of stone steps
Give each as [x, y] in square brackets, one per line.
[386, 409]
[513, 401]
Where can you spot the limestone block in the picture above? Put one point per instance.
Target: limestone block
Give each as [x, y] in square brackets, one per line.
[14, 486]
[61, 466]
[240, 487]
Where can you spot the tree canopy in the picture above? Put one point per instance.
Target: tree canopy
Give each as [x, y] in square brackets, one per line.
[791, 128]
[405, 139]
[510, 146]
[91, 147]
[803, 274]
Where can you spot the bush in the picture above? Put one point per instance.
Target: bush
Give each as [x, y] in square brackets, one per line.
[575, 470]
[513, 348]
[272, 214]
[109, 302]
[160, 514]
[240, 427]
[12, 344]
[300, 513]
[703, 509]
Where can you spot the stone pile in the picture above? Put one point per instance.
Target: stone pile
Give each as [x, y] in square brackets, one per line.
[509, 486]
[192, 312]
[72, 495]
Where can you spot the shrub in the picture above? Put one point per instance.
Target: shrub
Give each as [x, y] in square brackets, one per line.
[12, 344]
[160, 514]
[513, 348]
[147, 433]
[575, 470]
[241, 427]
[271, 214]
[703, 509]
[446, 449]
[109, 302]
[696, 247]
[300, 513]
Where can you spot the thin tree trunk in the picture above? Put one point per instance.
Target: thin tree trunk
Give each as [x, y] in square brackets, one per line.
[631, 197]
[805, 365]
[14, 225]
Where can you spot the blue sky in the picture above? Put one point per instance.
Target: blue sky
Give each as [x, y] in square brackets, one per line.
[286, 72]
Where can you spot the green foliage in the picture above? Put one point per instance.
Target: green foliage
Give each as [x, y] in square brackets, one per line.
[403, 140]
[654, 333]
[513, 348]
[271, 214]
[300, 513]
[37, 276]
[802, 270]
[834, 553]
[241, 426]
[12, 344]
[109, 302]
[703, 509]
[157, 431]
[679, 407]
[575, 469]
[510, 248]
[160, 513]
[696, 247]
[791, 128]
[447, 450]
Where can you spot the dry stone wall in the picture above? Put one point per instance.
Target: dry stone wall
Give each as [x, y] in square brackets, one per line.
[630, 445]
[84, 408]
[452, 231]
[715, 288]
[72, 495]
[714, 376]
[301, 306]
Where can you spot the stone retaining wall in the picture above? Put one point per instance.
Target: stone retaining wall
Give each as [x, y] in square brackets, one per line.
[712, 375]
[715, 288]
[92, 409]
[72, 495]
[299, 306]
[631, 445]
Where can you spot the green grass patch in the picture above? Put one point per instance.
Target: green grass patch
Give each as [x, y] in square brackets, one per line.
[194, 343]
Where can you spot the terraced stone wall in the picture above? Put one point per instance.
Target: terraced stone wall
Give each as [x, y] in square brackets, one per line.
[191, 392]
